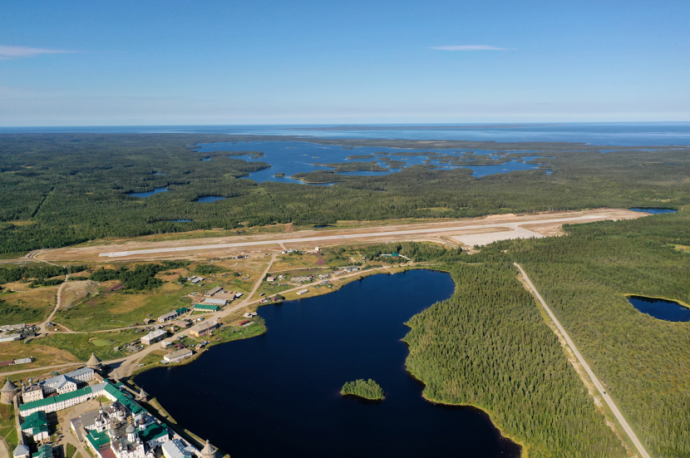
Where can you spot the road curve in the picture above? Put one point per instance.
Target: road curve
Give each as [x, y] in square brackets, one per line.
[515, 225]
[595, 380]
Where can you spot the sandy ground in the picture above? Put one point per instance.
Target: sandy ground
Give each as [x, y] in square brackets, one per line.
[546, 223]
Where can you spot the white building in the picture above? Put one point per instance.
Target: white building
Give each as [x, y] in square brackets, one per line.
[211, 301]
[10, 337]
[154, 336]
[85, 374]
[32, 393]
[61, 383]
[178, 355]
[22, 451]
[178, 449]
[304, 291]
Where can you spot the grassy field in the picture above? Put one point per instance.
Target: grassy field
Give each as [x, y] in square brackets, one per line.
[81, 347]
[26, 305]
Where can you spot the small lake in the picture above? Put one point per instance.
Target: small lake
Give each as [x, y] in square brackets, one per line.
[653, 211]
[277, 395]
[148, 193]
[291, 157]
[207, 199]
[660, 308]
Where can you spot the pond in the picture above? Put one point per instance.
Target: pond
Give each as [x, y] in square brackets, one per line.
[660, 308]
[207, 199]
[653, 211]
[277, 395]
[148, 193]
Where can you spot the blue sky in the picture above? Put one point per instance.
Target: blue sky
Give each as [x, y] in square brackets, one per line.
[255, 62]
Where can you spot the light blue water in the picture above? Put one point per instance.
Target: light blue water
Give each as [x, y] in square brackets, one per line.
[653, 211]
[148, 193]
[295, 157]
[605, 134]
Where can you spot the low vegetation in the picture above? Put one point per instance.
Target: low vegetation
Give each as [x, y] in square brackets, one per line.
[367, 389]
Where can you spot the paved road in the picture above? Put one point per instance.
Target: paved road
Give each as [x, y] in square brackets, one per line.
[320, 238]
[595, 380]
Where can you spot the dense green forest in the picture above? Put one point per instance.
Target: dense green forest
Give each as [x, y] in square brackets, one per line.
[62, 189]
[487, 345]
[367, 389]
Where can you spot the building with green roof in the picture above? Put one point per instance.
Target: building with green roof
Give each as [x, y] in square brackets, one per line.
[44, 451]
[207, 307]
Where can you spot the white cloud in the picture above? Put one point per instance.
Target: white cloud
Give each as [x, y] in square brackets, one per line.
[469, 48]
[17, 52]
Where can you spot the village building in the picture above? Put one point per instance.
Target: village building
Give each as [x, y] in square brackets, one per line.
[32, 393]
[10, 337]
[167, 317]
[182, 323]
[206, 307]
[213, 291]
[270, 278]
[12, 327]
[350, 269]
[303, 291]
[154, 336]
[94, 363]
[204, 329]
[9, 390]
[166, 344]
[44, 451]
[301, 279]
[228, 296]
[61, 384]
[22, 451]
[177, 355]
[36, 426]
[211, 301]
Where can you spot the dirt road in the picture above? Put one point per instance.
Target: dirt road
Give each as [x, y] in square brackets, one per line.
[619, 416]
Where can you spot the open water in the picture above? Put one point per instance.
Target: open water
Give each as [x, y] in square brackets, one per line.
[660, 308]
[277, 395]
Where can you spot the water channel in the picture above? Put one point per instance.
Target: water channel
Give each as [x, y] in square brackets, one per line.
[277, 395]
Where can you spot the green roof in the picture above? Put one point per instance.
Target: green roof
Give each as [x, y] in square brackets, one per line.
[207, 307]
[55, 399]
[123, 399]
[181, 310]
[152, 431]
[97, 439]
[44, 451]
[34, 420]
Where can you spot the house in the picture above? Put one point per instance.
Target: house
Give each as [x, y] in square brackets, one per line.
[228, 296]
[61, 384]
[303, 291]
[196, 280]
[206, 308]
[324, 276]
[153, 337]
[167, 317]
[213, 291]
[238, 295]
[270, 278]
[301, 279]
[148, 321]
[204, 328]
[182, 323]
[249, 314]
[178, 355]
[166, 344]
[12, 327]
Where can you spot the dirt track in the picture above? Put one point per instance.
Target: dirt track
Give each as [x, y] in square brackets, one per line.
[468, 232]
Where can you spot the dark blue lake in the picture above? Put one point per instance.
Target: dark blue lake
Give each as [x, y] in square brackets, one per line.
[208, 199]
[148, 193]
[653, 211]
[277, 395]
[660, 309]
[295, 157]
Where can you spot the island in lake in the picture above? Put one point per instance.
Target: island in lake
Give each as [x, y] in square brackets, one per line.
[368, 389]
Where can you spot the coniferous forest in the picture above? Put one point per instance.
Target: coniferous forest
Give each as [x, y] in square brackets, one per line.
[62, 189]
